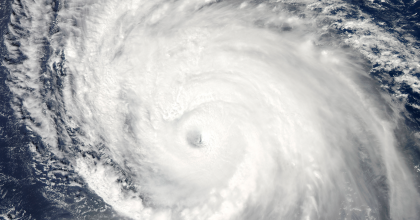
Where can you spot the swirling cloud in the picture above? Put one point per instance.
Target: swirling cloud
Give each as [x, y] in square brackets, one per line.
[228, 110]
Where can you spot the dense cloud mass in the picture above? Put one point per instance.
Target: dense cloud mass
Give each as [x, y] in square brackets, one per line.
[214, 109]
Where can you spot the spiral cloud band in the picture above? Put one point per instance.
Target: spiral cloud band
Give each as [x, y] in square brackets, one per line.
[211, 110]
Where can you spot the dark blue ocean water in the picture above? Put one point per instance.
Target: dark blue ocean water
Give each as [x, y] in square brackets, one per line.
[24, 193]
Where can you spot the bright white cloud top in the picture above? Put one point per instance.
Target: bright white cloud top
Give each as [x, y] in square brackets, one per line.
[212, 110]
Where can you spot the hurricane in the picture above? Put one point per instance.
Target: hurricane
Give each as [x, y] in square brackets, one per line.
[209, 109]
